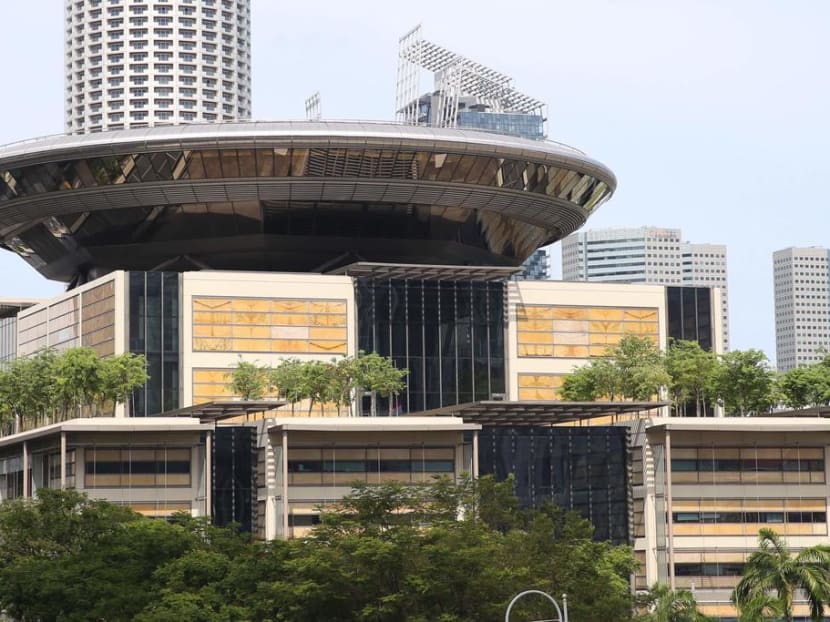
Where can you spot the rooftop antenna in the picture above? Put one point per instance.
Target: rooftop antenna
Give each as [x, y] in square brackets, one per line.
[313, 108]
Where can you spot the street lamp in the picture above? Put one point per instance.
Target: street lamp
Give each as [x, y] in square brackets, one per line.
[561, 614]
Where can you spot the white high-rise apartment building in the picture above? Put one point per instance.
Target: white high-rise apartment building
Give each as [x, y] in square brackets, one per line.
[139, 63]
[802, 306]
[646, 255]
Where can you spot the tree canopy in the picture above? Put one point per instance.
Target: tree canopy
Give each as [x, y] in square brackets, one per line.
[50, 386]
[339, 382]
[447, 551]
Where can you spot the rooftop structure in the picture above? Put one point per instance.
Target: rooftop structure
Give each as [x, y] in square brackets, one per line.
[294, 196]
[136, 64]
[466, 93]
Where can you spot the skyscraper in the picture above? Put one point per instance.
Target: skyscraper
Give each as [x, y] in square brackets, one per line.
[138, 64]
[802, 306]
[646, 255]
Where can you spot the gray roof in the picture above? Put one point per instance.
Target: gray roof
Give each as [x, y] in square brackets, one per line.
[49, 148]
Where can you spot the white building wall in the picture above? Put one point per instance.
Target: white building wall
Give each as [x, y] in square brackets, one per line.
[569, 294]
[257, 285]
[802, 305]
[135, 63]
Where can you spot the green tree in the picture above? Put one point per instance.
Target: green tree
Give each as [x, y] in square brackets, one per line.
[317, 383]
[774, 570]
[801, 387]
[120, 375]
[639, 364]
[378, 375]
[690, 369]
[662, 604]
[581, 385]
[287, 379]
[743, 382]
[249, 380]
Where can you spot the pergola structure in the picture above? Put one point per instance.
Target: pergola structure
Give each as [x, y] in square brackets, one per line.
[227, 409]
[542, 412]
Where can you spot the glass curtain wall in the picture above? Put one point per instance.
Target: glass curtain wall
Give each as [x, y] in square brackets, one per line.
[448, 334]
[690, 314]
[234, 477]
[584, 470]
[154, 332]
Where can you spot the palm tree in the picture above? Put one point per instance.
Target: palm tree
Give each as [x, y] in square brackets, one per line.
[773, 570]
[761, 607]
[662, 604]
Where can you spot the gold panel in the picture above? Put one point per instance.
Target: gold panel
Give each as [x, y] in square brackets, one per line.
[570, 313]
[269, 325]
[580, 327]
[328, 333]
[537, 338]
[538, 394]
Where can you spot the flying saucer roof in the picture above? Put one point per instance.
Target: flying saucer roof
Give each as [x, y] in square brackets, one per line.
[64, 198]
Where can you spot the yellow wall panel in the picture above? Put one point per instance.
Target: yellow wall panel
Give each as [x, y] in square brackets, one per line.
[328, 333]
[290, 306]
[335, 347]
[327, 320]
[570, 313]
[538, 394]
[251, 305]
[252, 332]
[535, 337]
[606, 314]
[211, 344]
[269, 325]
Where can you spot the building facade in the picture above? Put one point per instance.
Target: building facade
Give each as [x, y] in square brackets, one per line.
[463, 339]
[140, 64]
[647, 255]
[802, 306]
[703, 488]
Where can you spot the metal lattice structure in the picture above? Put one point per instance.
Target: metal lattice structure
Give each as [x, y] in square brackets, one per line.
[455, 76]
[314, 107]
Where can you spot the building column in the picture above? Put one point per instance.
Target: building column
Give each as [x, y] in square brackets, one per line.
[63, 460]
[475, 454]
[285, 484]
[209, 474]
[669, 521]
[26, 482]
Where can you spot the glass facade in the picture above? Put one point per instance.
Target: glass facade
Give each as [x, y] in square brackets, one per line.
[530, 126]
[234, 476]
[579, 469]
[448, 334]
[154, 332]
[689, 311]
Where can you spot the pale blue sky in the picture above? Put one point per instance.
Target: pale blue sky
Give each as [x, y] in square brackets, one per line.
[712, 113]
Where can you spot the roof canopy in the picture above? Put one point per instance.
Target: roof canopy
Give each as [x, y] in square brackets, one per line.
[524, 413]
[216, 411]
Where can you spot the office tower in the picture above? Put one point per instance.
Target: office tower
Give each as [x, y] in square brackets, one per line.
[802, 311]
[133, 64]
[646, 255]
[536, 267]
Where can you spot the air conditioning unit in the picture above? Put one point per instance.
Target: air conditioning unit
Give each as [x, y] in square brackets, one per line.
[497, 397]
